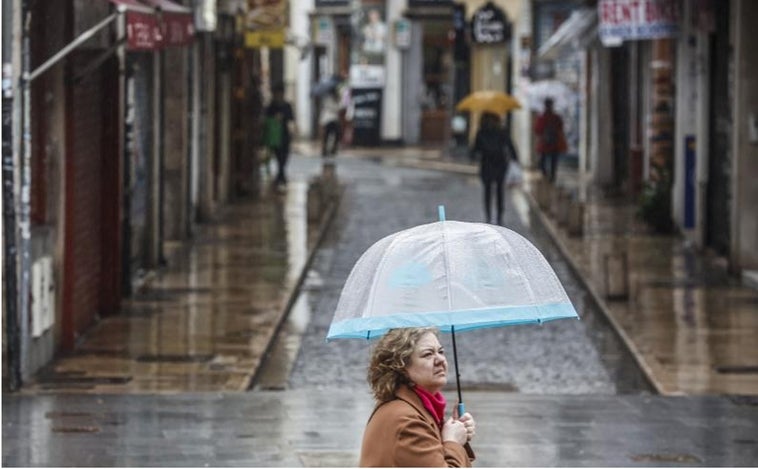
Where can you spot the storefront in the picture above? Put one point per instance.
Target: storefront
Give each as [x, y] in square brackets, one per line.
[429, 71]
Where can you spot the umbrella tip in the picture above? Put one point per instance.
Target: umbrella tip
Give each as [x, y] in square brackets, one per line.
[441, 212]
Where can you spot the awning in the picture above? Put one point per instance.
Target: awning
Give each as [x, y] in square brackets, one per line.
[578, 31]
[177, 22]
[143, 32]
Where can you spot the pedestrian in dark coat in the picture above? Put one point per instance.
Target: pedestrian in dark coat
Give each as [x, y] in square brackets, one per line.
[281, 112]
[408, 427]
[494, 148]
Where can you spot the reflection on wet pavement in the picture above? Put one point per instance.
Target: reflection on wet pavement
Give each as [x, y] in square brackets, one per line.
[323, 428]
[689, 323]
[198, 325]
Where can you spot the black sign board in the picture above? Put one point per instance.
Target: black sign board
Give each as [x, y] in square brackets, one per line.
[429, 3]
[490, 25]
[367, 116]
[332, 3]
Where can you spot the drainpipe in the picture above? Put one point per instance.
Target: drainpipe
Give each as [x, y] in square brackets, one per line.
[24, 205]
[10, 273]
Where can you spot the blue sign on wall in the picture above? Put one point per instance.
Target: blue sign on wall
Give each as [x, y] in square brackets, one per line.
[690, 177]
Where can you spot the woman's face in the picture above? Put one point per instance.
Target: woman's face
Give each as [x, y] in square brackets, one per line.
[428, 366]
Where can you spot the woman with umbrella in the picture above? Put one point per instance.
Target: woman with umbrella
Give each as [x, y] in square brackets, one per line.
[495, 150]
[408, 427]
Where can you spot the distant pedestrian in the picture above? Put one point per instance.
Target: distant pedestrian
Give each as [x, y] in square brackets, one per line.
[551, 141]
[278, 132]
[329, 119]
[495, 150]
[408, 427]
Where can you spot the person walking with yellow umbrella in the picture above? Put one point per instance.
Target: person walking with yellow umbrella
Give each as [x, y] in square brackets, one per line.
[492, 146]
[494, 149]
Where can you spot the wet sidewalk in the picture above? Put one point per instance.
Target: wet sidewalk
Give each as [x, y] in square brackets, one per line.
[323, 428]
[205, 321]
[690, 326]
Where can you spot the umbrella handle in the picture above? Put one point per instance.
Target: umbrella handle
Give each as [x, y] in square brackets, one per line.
[461, 409]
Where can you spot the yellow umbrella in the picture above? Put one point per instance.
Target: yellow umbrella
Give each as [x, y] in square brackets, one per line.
[495, 102]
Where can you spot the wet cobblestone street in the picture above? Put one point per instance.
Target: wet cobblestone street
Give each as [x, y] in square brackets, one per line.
[562, 357]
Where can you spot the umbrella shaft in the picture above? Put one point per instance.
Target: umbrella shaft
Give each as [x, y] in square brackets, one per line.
[455, 361]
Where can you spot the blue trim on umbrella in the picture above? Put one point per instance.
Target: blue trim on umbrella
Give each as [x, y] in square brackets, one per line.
[463, 320]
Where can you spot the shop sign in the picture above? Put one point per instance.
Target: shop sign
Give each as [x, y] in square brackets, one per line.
[324, 33]
[367, 113]
[142, 31]
[429, 3]
[621, 20]
[178, 29]
[177, 26]
[402, 34]
[267, 14]
[490, 25]
[332, 3]
[271, 38]
[366, 76]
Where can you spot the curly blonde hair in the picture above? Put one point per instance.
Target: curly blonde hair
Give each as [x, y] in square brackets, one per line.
[390, 357]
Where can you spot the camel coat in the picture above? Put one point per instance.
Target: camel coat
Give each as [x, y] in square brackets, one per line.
[402, 433]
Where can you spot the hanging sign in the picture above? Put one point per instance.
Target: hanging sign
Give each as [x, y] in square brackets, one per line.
[266, 14]
[265, 38]
[621, 20]
[143, 32]
[323, 30]
[402, 33]
[490, 25]
[178, 29]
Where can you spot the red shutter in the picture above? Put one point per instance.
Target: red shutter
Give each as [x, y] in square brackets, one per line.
[86, 198]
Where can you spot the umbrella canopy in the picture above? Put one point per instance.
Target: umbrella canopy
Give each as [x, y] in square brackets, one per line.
[445, 274]
[563, 96]
[452, 275]
[495, 102]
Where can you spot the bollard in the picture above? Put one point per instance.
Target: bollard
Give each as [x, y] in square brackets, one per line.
[314, 200]
[616, 272]
[555, 196]
[329, 183]
[543, 194]
[576, 218]
[564, 201]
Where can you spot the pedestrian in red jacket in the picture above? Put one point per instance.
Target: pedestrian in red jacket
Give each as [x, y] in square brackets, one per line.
[551, 141]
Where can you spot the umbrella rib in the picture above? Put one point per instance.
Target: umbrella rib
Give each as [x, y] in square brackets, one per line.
[447, 268]
[379, 269]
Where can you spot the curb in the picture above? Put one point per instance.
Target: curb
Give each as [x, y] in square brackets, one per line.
[324, 226]
[596, 298]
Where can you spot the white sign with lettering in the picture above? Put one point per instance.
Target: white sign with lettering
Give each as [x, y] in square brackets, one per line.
[621, 20]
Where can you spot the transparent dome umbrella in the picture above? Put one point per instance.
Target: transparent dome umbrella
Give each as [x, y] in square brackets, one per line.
[453, 275]
[564, 98]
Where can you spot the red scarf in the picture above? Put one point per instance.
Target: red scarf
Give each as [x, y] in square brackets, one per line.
[434, 403]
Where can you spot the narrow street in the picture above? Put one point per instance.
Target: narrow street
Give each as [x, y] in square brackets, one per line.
[188, 184]
[562, 394]
[562, 357]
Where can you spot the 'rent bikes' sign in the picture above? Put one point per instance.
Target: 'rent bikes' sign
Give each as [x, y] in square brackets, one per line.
[621, 20]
